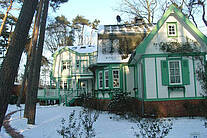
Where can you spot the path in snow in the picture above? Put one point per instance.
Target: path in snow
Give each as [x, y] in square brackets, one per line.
[11, 131]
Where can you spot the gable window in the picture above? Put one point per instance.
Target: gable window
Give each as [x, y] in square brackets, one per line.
[175, 72]
[115, 74]
[66, 65]
[106, 74]
[172, 29]
[100, 75]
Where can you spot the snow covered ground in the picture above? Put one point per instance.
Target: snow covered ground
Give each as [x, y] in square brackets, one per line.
[48, 121]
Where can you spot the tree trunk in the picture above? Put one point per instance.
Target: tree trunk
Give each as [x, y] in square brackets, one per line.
[28, 101]
[82, 35]
[23, 83]
[5, 16]
[29, 59]
[37, 66]
[11, 62]
[91, 36]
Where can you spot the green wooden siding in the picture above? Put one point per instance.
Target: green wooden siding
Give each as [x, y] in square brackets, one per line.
[164, 70]
[185, 72]
[110, 70]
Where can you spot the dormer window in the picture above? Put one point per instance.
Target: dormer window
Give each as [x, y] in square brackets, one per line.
[172, 29]
[110, 46]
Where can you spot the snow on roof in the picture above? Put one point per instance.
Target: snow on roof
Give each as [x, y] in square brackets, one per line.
[125, 28]
[84, 48]
[80, 48]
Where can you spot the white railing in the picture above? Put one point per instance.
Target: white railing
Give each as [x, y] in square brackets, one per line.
[47, 93]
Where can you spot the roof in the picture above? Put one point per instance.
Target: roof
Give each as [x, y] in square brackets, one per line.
[125, 28]
[82, 49]
[129, 35]
[141, 48]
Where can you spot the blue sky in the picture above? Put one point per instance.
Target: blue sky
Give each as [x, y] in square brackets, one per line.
[91, 9]
[104, 10]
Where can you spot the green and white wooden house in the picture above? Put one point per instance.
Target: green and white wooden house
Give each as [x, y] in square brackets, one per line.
[164, 76]
[70, 76]
[129, 59]
[115, 45]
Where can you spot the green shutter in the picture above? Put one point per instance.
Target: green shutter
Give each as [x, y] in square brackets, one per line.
[164, 70]
[185, 72]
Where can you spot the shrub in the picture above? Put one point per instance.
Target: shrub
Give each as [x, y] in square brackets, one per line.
[87, 121]
[74, 128]
[153, 128]
[122, 104]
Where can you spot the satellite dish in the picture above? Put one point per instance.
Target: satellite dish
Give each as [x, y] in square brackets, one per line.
[118, 18]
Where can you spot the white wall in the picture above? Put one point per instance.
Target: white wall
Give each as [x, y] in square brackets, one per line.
[150, 78]
[140, 80]
[190, 89]
[162, 90]
[183, 33]
[151, 86]
[130, 79]
[198, 88]
[153, 48]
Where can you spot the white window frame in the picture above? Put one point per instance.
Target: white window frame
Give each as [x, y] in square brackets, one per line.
[106, 79]
[100, 79]
[77, 64]
[61, 85]
[65, 85]
[66, 64]
[180, 72]
[116, 78]
[175, 29]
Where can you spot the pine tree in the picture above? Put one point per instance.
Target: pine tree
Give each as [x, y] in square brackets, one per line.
[79, 23]
[59, 33]
[35, 63]
[5, 16]
[11, 62]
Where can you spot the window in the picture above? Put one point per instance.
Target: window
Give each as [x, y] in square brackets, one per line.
[172, 29]
[106, 74]
[65, 85]
[195, 135]
[107, 46]
[84, 67]
[66, 65]
[61, 84]
[69, 84]
[175, 72]
[77, 63]
[100, 80]
[115, 78]
[110, 46]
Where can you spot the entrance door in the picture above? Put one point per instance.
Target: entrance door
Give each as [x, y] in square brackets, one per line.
[83, 85]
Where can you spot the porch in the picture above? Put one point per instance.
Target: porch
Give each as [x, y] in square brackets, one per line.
[67, 97]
